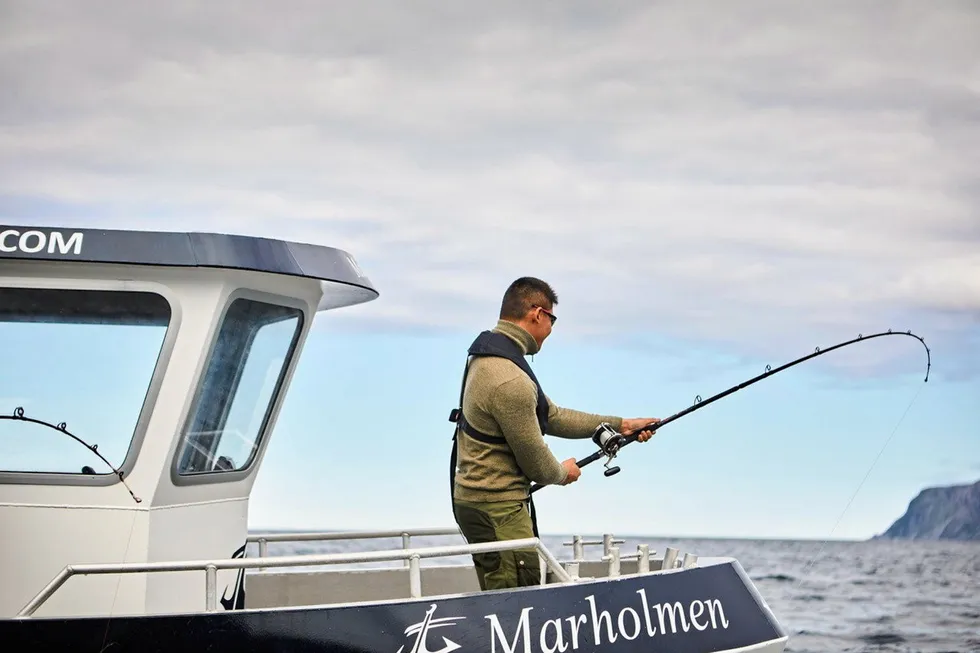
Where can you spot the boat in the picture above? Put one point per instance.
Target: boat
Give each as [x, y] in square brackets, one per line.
[126, 528]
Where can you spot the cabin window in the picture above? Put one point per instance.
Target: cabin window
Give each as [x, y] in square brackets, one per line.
[241, 382]
[84, 358]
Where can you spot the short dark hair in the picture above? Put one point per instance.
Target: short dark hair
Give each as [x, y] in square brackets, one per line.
[524, 294]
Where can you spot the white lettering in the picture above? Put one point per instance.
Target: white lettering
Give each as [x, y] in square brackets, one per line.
[679, 609]
[25, 238]
[597, 620]
[34, 241]
[4, 236]
[636, 623]
[523, 628]
[711, 609]
[651, 631]
[560, 644]
[576, 623]
[606, 626]
[696, 609]
[57, 241]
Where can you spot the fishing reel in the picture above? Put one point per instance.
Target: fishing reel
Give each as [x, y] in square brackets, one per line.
[609, 442]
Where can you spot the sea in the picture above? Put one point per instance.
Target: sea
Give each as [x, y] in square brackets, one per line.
[877, 596]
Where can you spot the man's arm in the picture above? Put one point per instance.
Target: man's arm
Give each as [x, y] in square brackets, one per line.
[575, 424]
[513, 404]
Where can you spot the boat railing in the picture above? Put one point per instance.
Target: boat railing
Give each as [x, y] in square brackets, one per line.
[610, 549]
[406, 535]
[211, 567]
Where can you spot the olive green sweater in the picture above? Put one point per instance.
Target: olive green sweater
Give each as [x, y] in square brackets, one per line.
[500, 399]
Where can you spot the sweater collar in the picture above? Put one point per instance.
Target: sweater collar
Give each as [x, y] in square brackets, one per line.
[524, 340]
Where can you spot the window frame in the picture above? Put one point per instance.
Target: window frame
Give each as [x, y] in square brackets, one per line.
[275, 401]
[150, 397]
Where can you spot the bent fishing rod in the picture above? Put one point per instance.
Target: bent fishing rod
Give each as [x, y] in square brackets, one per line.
[19, 416]
[610, 441]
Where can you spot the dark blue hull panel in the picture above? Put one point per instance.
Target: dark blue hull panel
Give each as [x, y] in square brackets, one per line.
[694, 611]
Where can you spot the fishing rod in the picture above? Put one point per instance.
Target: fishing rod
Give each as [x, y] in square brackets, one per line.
[19, 416]
[610, 442]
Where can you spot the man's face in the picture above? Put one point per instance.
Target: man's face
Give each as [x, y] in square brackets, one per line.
[542, 321]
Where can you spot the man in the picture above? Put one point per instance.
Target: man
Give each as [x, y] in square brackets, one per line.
[499, 448]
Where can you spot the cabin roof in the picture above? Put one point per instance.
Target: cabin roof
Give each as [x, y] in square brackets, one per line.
[185, 249]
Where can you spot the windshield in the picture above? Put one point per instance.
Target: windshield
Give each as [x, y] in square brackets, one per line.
[82, 357]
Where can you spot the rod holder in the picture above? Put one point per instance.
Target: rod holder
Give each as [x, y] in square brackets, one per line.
[578, 546]
[415, 576]
[614, 561]
[608, 542]
[263, 550]
[643, 558]
[211, 588]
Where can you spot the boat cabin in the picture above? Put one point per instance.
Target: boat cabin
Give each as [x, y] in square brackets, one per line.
[142, 376]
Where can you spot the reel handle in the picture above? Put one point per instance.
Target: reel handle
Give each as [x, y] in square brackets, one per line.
[609, 442]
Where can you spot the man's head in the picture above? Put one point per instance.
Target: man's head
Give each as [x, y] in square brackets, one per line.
[529, 303]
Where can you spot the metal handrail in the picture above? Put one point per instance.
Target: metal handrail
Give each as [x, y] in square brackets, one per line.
[210, 567]
[322, 536]
[263, 539]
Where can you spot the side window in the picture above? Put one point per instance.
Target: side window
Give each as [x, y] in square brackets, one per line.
[241, 382]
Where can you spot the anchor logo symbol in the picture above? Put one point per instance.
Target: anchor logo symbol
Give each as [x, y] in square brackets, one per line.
[421, 631]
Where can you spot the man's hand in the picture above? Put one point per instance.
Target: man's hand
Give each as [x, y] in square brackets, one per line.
[630, 425]
[573, 471]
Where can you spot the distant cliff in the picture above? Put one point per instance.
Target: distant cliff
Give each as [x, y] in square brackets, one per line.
[940, 513]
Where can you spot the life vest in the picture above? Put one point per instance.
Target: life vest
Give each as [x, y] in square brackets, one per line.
[490, 343]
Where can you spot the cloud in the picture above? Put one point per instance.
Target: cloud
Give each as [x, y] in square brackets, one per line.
[762, 178]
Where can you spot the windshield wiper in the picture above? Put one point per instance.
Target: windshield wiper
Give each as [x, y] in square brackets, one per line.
[63, 428]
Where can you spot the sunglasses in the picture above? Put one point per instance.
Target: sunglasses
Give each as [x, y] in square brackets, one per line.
[551, 316]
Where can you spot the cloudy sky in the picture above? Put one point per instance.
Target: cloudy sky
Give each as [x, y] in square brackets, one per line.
[709, 187]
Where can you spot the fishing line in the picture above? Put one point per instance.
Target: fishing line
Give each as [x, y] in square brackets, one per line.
[119, 577]
[858, 489]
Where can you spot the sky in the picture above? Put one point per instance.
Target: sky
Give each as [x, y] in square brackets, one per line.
[710, 189]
